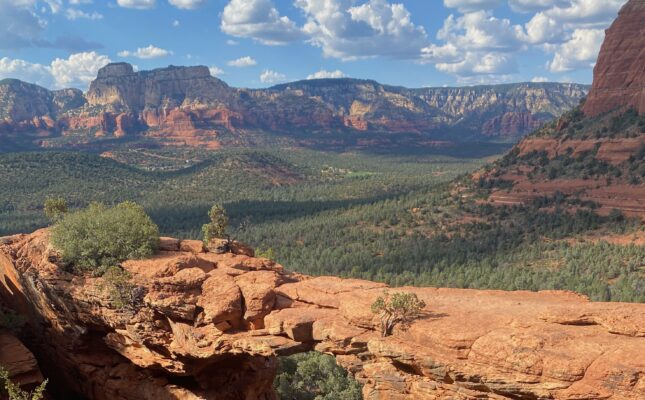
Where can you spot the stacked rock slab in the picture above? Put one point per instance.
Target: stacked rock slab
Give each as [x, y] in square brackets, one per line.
[211, 326]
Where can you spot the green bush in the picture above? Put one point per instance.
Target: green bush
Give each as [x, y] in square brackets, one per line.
[14, 392]
[55, 208]
[99, 236]
[314, 376]
[398, 308]
[218, 225]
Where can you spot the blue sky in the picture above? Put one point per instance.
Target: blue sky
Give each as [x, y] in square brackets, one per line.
[259, 43]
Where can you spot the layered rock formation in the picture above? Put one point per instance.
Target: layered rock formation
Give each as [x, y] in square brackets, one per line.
[210, 326]
[619, 74]
[187, 106]
[596, 153]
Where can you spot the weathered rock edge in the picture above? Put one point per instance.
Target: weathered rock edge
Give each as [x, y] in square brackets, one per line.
[212, 326]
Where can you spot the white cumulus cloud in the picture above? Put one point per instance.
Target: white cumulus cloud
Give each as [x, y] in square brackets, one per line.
[25, 71]
[259, 20]
[375, 28]
[146, 52]
[269, 76]
[539, 79]
[243, 62]
[579, 52]
[78, 70]
[324, 74]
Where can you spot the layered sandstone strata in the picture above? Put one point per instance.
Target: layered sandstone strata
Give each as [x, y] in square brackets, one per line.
[211, 325]
[619, 74]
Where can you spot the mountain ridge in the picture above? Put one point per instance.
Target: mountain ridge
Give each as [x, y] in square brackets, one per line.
[180, 105]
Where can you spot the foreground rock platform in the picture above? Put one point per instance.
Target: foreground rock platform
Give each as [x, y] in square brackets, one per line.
[211, 327]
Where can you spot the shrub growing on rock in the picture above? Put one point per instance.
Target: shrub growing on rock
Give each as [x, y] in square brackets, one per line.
[55, 208]
[14, 392]
[398, 308]
[217, 226]
[99, 236]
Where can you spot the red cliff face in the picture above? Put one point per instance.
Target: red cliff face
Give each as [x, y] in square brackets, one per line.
[211, 325]
[619, 75]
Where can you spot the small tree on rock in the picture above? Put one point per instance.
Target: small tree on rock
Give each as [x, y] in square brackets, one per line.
[398, 308]
[14, 392]
[55, 208]
[217, 226]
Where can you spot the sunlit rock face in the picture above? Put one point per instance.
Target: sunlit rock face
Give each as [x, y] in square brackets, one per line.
[619, 74]
[211, 326]
[180, 106]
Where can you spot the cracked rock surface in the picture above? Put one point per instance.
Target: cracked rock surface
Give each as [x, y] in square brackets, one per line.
[211, 327]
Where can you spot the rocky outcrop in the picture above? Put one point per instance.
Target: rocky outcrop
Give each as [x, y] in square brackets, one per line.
[188, 106]
[19, 362]
[210, 326]
[619, 74]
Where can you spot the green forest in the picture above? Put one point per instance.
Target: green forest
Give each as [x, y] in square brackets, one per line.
[386, 217]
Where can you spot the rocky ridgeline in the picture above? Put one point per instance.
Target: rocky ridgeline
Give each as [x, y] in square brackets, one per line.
[211, 326]
[187, 106]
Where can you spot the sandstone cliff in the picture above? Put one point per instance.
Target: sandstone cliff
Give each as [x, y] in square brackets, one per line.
[211, 325]
[595, 153]
[619, 74]
[187, 106]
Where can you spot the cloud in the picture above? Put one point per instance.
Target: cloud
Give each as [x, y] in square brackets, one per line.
[215, 71]
[480, 30]
[78, 70]
[572, 30]
[19, 26]
[525, 6]
[146, 52]
[556, 24]
[540, 79]
[186, 4]
[269, 76]
[476, 43]
[480, 64]
[74, 14]
[374, 28]
[258, 20]
[26, 71]
[579, 52]
[175, 24]
[137, 4]
[472, 5]
[323, 74]
[243, 62]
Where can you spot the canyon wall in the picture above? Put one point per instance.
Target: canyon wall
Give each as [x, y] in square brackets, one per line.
[210, 326]
[619, 74]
